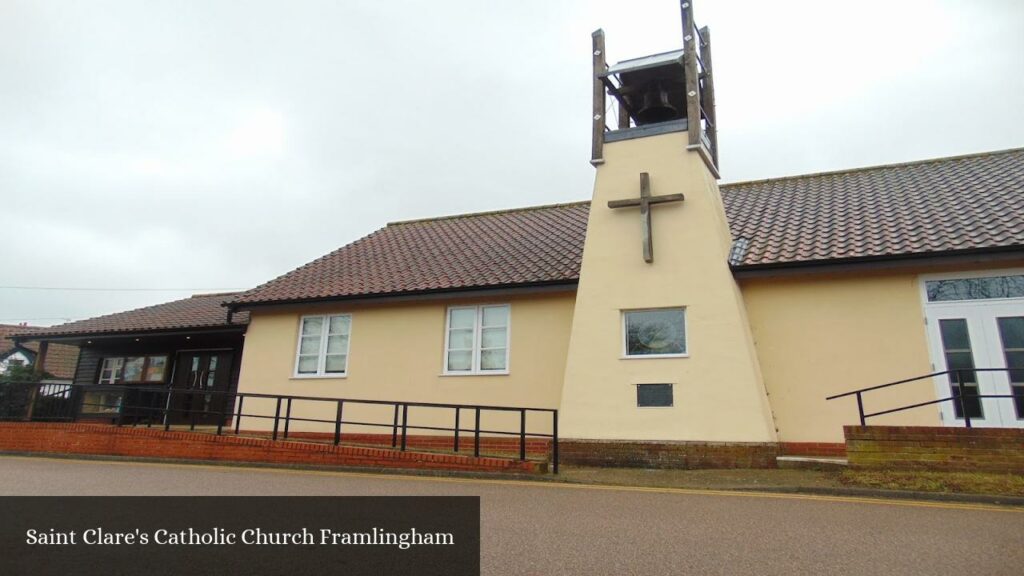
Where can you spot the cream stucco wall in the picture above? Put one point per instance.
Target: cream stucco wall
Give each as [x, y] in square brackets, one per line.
[396, 353]
[819, 336]
[718, 393]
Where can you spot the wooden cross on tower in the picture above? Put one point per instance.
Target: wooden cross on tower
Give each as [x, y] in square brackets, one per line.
[644, 202]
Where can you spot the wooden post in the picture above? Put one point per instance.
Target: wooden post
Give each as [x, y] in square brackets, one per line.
[40, 363]
[598, 120]
[623, 117]
[707, 96]
[690, 72]
[37, 375]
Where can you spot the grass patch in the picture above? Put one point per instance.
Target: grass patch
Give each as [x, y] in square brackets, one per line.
[958, 482]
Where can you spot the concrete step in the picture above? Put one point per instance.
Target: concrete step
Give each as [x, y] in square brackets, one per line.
[810, 462]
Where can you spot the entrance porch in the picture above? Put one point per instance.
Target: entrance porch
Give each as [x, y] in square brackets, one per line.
[181, 378]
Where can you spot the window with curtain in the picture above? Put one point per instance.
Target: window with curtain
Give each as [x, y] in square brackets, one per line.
[477, 340]
[323, 345]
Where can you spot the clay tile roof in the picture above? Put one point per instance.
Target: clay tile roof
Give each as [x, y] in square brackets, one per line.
[6, 330]
[536, 245]
[971, 202]
[963, 203]
[199, 311]
[61, 359]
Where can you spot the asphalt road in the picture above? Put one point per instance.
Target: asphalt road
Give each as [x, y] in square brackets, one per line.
[532, 528]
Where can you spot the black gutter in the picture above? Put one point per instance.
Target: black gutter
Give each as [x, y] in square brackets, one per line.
[183, 331]
[468, 291]
[881, 261]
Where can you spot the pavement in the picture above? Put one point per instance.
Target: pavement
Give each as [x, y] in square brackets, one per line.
[562, 528]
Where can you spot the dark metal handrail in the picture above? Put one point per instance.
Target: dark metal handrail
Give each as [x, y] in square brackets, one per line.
[63, 402]
[959, 398]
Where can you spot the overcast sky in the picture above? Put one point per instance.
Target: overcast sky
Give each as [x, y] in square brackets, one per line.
[206, 144]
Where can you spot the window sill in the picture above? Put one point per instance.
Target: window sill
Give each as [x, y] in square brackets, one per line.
[648, 356]
[318, 376]
[458, 374]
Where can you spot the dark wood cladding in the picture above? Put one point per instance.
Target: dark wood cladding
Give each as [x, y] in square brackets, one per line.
[90, 359]
[88, 368]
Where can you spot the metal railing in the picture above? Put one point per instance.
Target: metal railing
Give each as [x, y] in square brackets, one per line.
[959, 396]
[162, 405]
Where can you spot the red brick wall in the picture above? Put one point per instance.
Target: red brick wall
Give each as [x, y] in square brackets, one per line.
[830, 449]
[535, 447]
[38, 437]
[935, 448]
[681, 455]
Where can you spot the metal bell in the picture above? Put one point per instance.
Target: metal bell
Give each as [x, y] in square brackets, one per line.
[656, 106]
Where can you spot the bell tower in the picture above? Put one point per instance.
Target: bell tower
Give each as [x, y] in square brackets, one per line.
[657, 94]
[660, 348]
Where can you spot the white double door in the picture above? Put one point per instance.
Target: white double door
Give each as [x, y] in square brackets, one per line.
[965, 336]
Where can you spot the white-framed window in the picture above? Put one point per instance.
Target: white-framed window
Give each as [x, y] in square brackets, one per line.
[656, 332]
[111, 371]
[322, 349]
[133, 369]
[477, 339]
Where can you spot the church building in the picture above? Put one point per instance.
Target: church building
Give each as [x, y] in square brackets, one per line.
[667, 310]
[668, 320]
